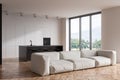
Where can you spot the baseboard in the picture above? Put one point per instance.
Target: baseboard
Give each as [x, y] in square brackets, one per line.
[10, 59]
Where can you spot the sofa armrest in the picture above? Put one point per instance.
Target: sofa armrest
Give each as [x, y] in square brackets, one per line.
[108, 53]
[40, 64]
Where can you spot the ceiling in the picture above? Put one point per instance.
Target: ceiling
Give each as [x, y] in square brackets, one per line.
[58, 8]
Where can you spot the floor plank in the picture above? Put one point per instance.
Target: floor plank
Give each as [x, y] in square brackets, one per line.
[21, 71]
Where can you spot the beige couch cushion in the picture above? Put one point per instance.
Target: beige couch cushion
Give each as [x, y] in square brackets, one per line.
[70, 55]
[101, 61]
[58, 66]
[40, 64]
[109, 54]
[88, 53]
[83, 63]
[51, 55]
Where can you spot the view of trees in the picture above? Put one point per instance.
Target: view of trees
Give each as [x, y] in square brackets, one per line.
[84, 44]
[87, 28]
[97, 44]
[75, 44]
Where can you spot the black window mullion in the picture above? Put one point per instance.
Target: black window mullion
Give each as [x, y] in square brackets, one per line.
[70, 34]
[90, 33]
[80, 33]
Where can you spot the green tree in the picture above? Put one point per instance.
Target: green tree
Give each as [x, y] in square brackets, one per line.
[84, 44]
[97, 44]
[74, 43]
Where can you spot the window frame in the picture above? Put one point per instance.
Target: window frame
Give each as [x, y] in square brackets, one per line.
[91, 14]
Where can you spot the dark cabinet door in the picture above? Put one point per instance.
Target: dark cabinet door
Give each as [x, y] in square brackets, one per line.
[0, 33]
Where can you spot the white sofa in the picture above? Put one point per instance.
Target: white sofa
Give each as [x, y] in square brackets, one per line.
[56, 62]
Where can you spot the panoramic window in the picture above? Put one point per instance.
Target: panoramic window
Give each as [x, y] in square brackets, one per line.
[85, 32]
[96, 31]
[75, 34]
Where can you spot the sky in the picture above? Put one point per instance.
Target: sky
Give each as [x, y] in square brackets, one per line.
[96, 27]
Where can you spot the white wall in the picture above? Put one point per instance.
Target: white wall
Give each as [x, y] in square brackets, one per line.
[63, 23]
[65, 33]
[111, 30]
[18, 30]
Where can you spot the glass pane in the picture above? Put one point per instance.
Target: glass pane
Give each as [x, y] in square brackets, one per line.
[85, 33]
[96, 31]
[75, 34]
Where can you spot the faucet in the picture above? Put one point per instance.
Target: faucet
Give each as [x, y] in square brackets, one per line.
[30, 42]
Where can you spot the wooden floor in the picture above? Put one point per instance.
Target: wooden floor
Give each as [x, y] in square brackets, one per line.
[21, 71]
